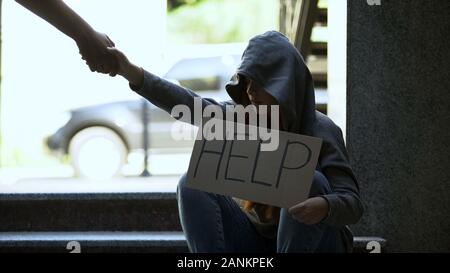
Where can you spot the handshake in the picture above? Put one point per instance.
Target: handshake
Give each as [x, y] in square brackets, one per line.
[101, 56]
[95, 48]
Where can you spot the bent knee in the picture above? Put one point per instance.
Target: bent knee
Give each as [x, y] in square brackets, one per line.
[181, 187]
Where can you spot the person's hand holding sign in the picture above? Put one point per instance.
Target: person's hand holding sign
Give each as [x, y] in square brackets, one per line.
[311, 211]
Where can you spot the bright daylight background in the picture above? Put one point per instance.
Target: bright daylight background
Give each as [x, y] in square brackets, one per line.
[43, 75]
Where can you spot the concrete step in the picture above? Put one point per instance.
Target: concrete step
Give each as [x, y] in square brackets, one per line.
[152, 211]
[93, 242]
[144, 221]
[130, 242]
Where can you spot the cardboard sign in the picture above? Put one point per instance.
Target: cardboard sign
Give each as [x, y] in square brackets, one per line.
[239, 168]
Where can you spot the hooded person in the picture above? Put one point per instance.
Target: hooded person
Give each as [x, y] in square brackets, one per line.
[273, 72]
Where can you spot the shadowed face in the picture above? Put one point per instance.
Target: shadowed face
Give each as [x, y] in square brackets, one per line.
[257, 95]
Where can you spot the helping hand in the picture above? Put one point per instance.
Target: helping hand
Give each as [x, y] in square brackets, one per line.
[131, 72]
[93, 49]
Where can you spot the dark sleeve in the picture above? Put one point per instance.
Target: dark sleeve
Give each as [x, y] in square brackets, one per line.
[344, 200]
[167, 95]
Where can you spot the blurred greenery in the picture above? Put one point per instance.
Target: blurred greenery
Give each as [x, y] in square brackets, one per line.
[323, 4]
[174, 4]
[221, 21]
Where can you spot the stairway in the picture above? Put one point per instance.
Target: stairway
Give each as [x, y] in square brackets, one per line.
[98, 222]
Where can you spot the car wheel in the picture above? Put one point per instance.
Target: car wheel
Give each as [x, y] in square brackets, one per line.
[97, 152]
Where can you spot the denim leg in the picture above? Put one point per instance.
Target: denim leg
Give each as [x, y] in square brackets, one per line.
[215, 223]
[294, 236]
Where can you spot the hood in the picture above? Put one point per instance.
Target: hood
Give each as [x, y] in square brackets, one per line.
[276, 65]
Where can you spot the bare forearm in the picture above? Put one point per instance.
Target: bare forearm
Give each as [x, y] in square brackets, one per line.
[61, 16]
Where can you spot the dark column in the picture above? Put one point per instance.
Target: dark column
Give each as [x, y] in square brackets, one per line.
[398, 120]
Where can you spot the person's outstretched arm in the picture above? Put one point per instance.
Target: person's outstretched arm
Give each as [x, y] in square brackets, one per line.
[92, 44]
[162, 93]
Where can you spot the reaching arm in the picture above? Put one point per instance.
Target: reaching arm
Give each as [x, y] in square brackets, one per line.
[160, 92]
[92, 44]
[61, 16]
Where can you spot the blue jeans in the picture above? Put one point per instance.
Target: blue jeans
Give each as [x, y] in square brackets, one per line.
[215, 223]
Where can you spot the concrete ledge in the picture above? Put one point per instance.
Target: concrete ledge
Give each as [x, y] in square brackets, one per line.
[87, 196]
[152, 211]
[134, 242]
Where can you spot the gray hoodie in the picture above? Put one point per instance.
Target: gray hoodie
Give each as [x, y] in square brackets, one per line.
[274, 63]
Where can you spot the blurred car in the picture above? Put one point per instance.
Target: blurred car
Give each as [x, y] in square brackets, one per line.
[99, 139]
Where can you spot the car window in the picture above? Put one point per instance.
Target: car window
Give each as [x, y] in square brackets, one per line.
[203, 74]
[202, 84]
